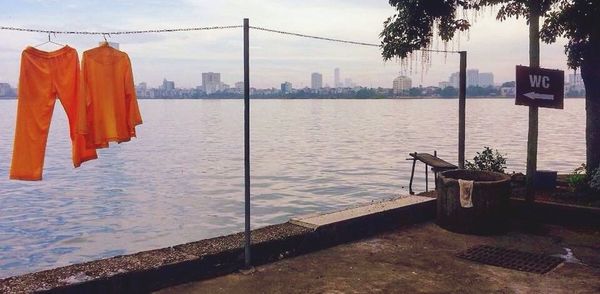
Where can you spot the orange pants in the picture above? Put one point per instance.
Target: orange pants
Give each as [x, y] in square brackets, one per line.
[44, 76]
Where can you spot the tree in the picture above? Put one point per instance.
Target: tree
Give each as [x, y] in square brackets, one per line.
[415, 92]
[449, 92]
[416, 22]
[579, 22]
[509, 84]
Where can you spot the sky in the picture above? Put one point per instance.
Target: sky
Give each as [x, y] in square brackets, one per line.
[182, 57]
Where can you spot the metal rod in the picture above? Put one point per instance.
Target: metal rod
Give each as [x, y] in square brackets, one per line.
[247, 260]
[462, 101]
[435, 174]
[412, 174]
[426, 178]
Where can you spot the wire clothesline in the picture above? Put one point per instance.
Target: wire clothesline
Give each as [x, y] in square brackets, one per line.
[120, 32]
[109, 33]
[338, 40]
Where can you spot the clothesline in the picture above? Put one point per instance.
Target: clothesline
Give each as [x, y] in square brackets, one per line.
[109, 33]
[119, 32]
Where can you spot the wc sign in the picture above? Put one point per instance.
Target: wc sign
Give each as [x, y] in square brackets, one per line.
[540, 87]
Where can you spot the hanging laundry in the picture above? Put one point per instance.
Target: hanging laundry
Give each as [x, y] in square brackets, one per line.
[44, 76]
[111, 105]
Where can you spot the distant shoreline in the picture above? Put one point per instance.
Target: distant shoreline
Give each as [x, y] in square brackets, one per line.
[346, 98]
[287, 98]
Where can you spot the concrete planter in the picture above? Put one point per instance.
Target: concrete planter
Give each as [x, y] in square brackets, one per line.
[490, 197]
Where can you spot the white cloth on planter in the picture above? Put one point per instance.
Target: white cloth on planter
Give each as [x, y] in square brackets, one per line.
[466, 191]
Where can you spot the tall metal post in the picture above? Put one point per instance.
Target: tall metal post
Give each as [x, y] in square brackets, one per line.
[247, 260]
[532, 137]
[462, 101]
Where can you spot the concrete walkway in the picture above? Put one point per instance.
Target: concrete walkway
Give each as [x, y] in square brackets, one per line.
[421, 258]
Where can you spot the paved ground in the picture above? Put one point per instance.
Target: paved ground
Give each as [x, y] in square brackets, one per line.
[421, 258]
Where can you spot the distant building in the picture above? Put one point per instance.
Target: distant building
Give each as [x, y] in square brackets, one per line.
[454, 80]
[575, 80]
[472, 77]
[486, 79]
[575, 86]
[401, 85]
[239, 86]
[286, 88]
[143, 86]
[336, 78]
[316, 81]
[141, 89]
[575, 83]
[444, 85]
[211, 82]
[348, 83]
[5, 90]
[168, 85]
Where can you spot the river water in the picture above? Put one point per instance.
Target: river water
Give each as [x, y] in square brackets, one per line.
[181, 180]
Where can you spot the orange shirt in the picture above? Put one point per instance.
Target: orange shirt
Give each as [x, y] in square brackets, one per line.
[112, 110]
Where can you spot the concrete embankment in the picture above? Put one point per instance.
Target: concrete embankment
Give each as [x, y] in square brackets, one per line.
[156, 269]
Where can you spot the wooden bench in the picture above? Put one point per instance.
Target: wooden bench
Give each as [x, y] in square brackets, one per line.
[437, 165]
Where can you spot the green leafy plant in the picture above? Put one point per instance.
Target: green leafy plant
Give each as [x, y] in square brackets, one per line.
[595, 180]
[577, 179]
[488, 160]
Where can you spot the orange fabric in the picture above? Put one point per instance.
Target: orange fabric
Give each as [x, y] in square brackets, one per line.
[43, 77]
[111, 104]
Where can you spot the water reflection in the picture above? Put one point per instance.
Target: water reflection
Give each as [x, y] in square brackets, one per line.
[182, 180]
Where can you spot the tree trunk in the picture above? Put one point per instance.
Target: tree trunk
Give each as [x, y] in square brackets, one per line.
[590, 72]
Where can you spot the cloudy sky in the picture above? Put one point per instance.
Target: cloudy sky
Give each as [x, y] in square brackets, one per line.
[182, 57]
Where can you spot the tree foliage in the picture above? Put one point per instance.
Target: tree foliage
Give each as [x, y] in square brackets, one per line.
[413, 26]
[579, 22]
[418, 22]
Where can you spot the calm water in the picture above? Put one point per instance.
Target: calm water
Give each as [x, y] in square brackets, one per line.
[182, 179]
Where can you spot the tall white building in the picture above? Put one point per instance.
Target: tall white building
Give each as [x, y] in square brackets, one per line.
[401, 85]
[454, 80]
[486, 79]
[336, 78]
[316, 81]
[472, 77]
[211, 82]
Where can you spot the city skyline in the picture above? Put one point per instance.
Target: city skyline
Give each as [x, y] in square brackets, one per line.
[183, 56]
[211, 83]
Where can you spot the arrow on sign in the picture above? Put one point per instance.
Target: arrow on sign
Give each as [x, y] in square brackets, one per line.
[534, 95]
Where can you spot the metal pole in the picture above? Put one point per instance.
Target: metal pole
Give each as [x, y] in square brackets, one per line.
[462, 101]
[532, 137]
[247, 141]
[426, 178]
[412, 175]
